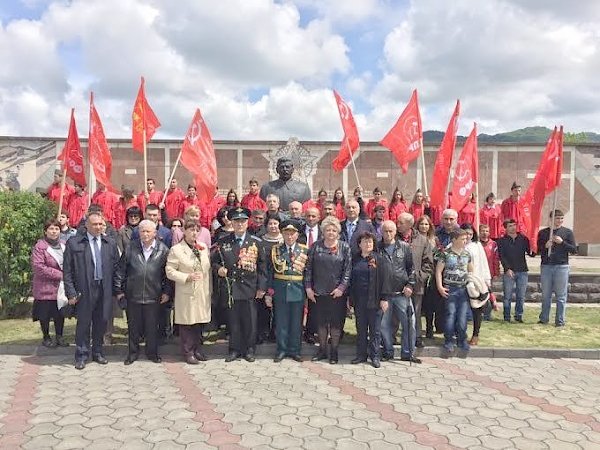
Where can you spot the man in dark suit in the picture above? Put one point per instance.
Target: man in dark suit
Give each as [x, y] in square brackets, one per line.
[240, 259]
[353, 227]
[90, 262]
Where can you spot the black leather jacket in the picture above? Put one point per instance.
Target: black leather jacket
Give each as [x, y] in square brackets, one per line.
[143, 281]
[327, 270]
[398, 270]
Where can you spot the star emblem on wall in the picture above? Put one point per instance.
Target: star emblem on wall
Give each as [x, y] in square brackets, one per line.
[305, 164]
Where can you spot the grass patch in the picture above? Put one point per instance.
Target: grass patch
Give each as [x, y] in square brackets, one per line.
[582, 331]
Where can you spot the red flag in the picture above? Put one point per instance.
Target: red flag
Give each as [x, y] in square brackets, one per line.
[143, 119]
[443, 162]
[404, 140]
[351, 140]
[547, 178]
[71, 155]
[466, 173]
[198, 156]
[98, 151]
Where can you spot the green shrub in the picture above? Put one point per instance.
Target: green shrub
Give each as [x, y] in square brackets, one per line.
[22, 217]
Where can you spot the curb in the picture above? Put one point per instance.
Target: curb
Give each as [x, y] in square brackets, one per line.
[345, 351]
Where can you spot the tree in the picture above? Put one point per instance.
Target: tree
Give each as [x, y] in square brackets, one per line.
[22, 217]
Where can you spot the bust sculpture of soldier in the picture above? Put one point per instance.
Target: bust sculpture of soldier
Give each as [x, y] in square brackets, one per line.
[287, 189]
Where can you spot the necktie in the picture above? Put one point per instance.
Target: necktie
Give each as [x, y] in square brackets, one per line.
[311, 240]
[239, 241]
[98, 260]
[350, 230]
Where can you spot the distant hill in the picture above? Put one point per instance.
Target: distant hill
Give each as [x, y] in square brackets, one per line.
[534, 135]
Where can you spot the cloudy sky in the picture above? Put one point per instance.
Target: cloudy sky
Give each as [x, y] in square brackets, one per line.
[264, 69]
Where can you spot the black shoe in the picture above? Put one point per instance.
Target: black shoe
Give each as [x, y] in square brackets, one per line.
[48, 343]
[156, 359]
[419, 343]
[130, 360]
[193, 361]
[260, 340]
[541, 323]
[231, 357]
[279, 357]
[429, 334]
[100, 359]
[297, 358]
[358, 360]
[200, 356]
[387, 357]
[519, 319]
[376, 363]
[333, 358]
[309, 339]
[250, 357]
[319, 356]
[60, 342]
[80, 365]
[411, 359]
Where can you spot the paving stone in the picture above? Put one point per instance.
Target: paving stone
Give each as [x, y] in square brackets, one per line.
[463, 441]
[41, 441]
[251, 440]
[161, 434]
[495, 443]
[351, 444]
[42, 429]
[72, 442]
[190, 436]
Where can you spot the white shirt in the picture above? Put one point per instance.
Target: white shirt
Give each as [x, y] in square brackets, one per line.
[311, 231]
[148, 251]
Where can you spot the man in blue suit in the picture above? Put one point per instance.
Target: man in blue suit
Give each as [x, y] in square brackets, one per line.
[353, 227]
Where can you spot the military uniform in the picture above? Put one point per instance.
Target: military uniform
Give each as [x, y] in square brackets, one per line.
[286, 281]
[246, 274]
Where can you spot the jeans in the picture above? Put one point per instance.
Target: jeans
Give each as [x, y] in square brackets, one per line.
[402, 308]
[518, 286]
[457, 305]
[555, 278]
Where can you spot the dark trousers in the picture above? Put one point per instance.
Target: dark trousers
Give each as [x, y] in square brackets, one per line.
[59, 324]
[477, 318]
[311, 322]
[331, 314]
[242, 326]
[265, 319]
[142, 320]
[190, 337]
[288, 331]
[165, 327]
[90, 316]
[434, 308]
[368, 331]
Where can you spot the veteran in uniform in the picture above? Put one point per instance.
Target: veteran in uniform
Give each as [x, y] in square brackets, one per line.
[286, 290]
[239, 258]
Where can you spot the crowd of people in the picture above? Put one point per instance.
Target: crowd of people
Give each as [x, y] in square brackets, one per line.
[179, 265]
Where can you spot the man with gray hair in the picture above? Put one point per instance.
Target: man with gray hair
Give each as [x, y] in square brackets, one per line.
[449, 224]
[422, 254]
[142, 281]
[398, 284]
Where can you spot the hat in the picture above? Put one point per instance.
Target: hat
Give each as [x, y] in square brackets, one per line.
[478, 291]
[239, 213]
[515, 185]
[292, 225]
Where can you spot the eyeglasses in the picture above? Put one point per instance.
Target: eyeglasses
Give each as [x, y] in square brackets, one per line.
[175, 226]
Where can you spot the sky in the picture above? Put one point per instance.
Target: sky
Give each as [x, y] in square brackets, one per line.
[265, 69]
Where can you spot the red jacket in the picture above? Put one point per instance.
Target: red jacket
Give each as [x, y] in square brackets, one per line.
[106, 200]
[253, 201]
[372, 204]
[120, 212]
[54, 193]
[210, 210]
[396, 209]
[493, 259]
[513, 210]
[154, 197]
[76, 208]
[493, 218]
[186, 203]
[467, 214]
[173, 201]
[417, 210]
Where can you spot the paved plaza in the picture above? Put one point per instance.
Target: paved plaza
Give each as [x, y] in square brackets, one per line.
[442, 404]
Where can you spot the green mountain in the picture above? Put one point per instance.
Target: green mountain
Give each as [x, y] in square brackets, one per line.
[535, 135]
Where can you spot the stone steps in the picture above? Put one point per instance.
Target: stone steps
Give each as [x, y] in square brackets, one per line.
[583, 288]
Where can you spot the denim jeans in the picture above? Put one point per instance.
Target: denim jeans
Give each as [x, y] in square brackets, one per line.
[402, 308]
[457, 305]
[555, 278]
[518, 286]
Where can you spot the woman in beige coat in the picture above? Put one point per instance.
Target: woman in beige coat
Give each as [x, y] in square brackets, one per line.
[188, 266]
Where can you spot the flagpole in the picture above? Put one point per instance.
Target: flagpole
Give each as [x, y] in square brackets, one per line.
[62, 191]
[423, 166]
[551, 224]
[145, 162]
[477, 207]
[171, 176]
[89, 151]
[352, 159]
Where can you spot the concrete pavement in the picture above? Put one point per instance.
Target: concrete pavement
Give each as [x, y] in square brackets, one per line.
[456, 403]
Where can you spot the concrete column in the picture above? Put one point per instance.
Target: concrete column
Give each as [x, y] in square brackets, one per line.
[240, 171]
[494, 173]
